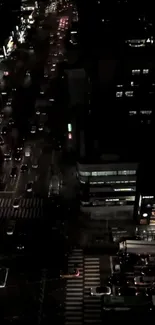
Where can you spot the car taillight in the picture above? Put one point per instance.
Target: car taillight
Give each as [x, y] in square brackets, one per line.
[78, 273]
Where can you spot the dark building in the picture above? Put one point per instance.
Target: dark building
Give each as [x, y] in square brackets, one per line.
[9, 17]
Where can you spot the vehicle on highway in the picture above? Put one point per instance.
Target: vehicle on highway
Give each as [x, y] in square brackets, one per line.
[35, 163]
[100, 291]
[33, 129]
[11, 227]
[29, 187]
[72, 273]
[24, 168]
[41, 127]
[54, 187]
[3, 276]
[126, 291]
[4, 130]
[14, 172]
[28, 151]
[2, 114]
[144, 280]
[17, 156]
[11, 122]
[28, 73]
[20, 241]
[7, 155]
[1, 141]
[20, 145]
[16, 203]
[117, 279]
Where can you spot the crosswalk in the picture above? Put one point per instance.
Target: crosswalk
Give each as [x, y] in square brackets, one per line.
[28, 208]
[80, 307]
[92, 305]
[74, 291]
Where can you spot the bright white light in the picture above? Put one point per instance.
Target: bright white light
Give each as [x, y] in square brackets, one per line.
[69, 127]
[119, 93]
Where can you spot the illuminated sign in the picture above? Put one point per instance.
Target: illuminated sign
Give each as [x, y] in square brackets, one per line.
[69, 127]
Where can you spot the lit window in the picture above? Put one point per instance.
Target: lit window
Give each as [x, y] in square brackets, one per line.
[119, 86]
[84, 173]
[129, 93]
[119, 93]
[112, 200]
[104, 173]
[145, 71]
[135, 71]
[124, 189]
[146, 112]
[132, 113]
[126, 172]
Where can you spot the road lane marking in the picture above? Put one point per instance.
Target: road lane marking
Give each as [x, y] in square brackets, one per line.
[111, 264]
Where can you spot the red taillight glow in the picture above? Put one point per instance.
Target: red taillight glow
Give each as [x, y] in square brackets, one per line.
[69, 136]
[78, 273]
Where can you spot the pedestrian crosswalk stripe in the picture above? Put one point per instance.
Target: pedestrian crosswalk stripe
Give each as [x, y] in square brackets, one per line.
[92, 307]
[74, 291]
[27, 210]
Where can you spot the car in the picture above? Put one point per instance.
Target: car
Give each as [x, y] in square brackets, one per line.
[1, 114]
[35, 163]
[40, 127]
[14, 172]
[28, 73]
[28, 151]
[1, 141]
[33, 129]
[11, 122]
[117, 279]
[37, 111]
[16, 203]
[24, 168]
[20, 146]
[144, 281]
[4, 130]
[7, 155]
[126, 291]
[17, 156]
[100, 291]
[29, 187]
[3, 276]
[72, 273]
[10, 227]
[20, 244]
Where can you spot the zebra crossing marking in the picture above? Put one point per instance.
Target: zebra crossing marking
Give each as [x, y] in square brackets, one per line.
[74, 291]
[29, 208]
[92, 305]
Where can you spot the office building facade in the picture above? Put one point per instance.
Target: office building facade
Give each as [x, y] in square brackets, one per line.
[108, 189]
